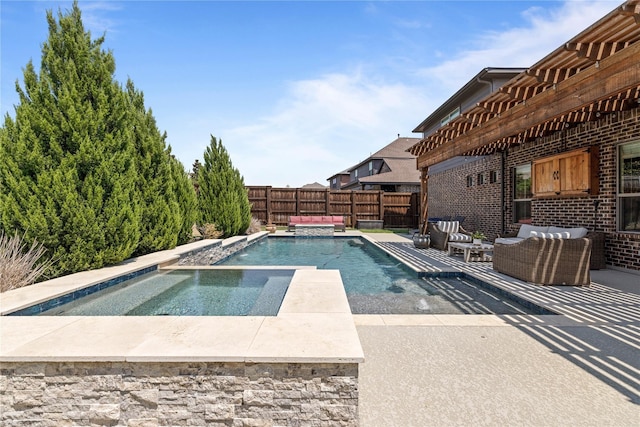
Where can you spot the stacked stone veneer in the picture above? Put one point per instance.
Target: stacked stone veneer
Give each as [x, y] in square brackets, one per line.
[214, 253]
[489, 209]
[178, 394]
[312, 230]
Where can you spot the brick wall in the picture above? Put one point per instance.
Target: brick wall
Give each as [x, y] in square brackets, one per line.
[478, 203]
[449, 194]
[178, 394]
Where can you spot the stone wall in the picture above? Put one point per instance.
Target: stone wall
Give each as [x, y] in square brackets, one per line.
[214, 253]
[178, 394]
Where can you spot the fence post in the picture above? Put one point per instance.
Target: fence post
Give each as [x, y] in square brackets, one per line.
[381, 205]
[297, 201]
[267, 195]
[327, 206]
[354, 208]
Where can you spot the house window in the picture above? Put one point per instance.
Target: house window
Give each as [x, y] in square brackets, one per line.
[629, 187]
[355, 173]
[493, 177]
[480, 179]
[469, 181]
[522, 194]
[370, 168]
[452, 115]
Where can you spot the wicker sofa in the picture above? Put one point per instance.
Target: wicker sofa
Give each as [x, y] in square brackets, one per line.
[597, 239]
[547, 261]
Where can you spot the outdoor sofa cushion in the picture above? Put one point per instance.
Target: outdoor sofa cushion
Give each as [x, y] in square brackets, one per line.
[460, 237]
[448, 226]
[551, 232]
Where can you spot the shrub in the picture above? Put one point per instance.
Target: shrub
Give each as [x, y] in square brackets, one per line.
[255, 226]
[20, 266]
[210, 231]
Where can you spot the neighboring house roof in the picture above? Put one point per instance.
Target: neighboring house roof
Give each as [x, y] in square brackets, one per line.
[403, 171]
[314, 185]
[344, 172]
[400, 171]
[397, 148]
[487, 81]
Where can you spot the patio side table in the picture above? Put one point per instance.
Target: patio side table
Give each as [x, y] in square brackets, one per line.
[481, 251]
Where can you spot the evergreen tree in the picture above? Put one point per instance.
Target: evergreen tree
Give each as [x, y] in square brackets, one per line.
[67, 161]
[222, 198]
[186, 196]
[195, 170]
[161, 218]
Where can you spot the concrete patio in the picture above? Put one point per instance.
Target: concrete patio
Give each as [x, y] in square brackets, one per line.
[581, 368]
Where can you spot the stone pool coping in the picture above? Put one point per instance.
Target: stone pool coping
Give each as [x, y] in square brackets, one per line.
[314, 324]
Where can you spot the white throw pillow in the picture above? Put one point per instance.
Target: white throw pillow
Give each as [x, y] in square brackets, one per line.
[526, 229]
[561, 235]
[575, 233]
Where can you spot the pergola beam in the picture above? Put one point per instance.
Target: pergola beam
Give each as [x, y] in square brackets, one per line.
[613, 75]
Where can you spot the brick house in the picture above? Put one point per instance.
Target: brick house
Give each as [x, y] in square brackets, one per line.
[391, 169]
[557, 144]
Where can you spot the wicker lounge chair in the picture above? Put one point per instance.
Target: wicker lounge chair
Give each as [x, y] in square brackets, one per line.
[545, 261]
[443, 232]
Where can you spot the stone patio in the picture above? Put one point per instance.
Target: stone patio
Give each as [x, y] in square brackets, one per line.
[579, 368]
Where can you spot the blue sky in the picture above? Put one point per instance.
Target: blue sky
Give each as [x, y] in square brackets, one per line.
[298, 91]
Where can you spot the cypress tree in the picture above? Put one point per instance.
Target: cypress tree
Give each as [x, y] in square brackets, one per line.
[67, 161]
[222, 196]
[161, 218]
[186, 196]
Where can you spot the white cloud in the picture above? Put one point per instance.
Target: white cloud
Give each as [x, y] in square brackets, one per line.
[323, 126]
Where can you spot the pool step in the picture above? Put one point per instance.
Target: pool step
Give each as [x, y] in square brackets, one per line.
[119, 301]
[269, 301]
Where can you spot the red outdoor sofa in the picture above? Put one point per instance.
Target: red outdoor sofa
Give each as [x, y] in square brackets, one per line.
[336, 221]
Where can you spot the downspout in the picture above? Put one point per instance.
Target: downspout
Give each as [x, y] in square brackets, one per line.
[486, 82]
[503, 188]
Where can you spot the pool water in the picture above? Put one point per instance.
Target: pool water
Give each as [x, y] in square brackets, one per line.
[187, 293]
[377, 283]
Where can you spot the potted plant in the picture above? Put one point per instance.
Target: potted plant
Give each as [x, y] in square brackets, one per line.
[478, 237]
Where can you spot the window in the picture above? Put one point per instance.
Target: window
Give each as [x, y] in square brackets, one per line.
[629, 187]
[493, 177]
[469, 181]
[355, 173]
[452, 115]
[370, 168]
[480, 179]
[522, 194]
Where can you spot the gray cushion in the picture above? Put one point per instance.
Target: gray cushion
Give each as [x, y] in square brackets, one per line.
[508, 240]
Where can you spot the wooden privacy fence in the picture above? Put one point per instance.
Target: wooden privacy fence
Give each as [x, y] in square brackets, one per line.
[275, 205]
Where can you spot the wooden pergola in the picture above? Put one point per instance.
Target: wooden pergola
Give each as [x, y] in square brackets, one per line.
[595, 73]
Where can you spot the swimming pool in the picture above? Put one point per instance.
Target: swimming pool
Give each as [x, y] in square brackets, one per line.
[377, 283]
[237, 292]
